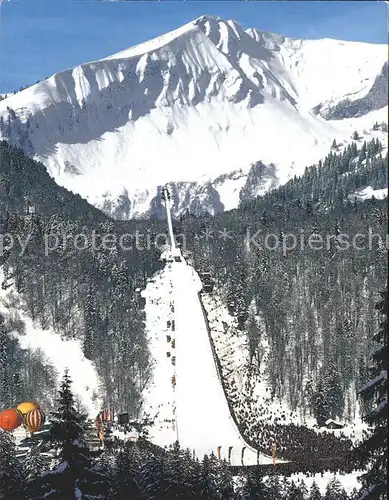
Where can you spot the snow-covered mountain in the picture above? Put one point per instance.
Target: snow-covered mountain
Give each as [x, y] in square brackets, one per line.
[219, 112]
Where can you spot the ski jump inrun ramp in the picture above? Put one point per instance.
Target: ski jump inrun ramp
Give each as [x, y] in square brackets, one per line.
[203, 416]
[203, 419]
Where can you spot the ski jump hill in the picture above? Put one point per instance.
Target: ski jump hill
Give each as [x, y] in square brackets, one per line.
[203, 418]
[196, 401]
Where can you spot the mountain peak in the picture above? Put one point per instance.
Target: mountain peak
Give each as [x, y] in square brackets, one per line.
[205, 103]
[206, 18]
[217, 30]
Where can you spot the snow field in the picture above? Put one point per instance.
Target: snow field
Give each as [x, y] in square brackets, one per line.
[203, 418]
[60, 353]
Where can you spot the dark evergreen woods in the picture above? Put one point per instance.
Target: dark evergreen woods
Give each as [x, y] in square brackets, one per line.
[373, 452]
[87, 294]
[315, 308]
[133, 471]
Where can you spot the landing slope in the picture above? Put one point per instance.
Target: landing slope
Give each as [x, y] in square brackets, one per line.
[203, 417]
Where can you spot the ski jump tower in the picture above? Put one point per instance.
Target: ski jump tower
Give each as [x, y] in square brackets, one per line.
[166, 196]
[202, 416]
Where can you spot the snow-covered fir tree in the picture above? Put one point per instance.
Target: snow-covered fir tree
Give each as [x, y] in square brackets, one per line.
[125, 471]
[373, 452]
[335, 490]
[177, 480]
[207, 483]
[11, 478]
[254, 487]
[151, 477]
[226, 482]
[314, 492]
[274, 488]
[34, 463]
[74, 474]
[297, 491]
[320, 405]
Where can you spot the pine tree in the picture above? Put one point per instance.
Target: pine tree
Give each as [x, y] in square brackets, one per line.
[333, 391]
[127, 477]
[176, 480]
[192, 469]
[254, 487]
[107, 464]
[362, 152]
[90, 321]
[320, 403]
[11, 478]
[68, 426]
[34, 463]
[274, 488]
[314, 492]
[74, 474]
[207, 484]
[151, 478]
[373, 452]
[225, 482]
[335, 491]
[296, 492]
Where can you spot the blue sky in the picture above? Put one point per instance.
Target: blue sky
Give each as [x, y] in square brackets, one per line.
[39, 38]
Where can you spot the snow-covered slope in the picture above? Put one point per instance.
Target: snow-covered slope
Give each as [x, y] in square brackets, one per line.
[368, 193]
[218, 111]
[159, 395]
[60, 353]
[194, 409]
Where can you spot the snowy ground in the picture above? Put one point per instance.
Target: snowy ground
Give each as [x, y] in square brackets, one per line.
[60, 353]
[368, 192]
[197, 403]
[159, 395]
[348, 481]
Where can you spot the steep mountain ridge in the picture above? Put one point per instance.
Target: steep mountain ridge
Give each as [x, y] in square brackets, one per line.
[198, 107]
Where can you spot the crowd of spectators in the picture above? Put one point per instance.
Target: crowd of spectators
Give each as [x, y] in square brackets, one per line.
[312, 450]
[305, 448]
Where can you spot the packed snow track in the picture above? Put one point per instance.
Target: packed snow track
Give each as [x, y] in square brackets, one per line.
[204, 422]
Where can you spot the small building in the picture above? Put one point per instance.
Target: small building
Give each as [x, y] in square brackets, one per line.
[333, 424]
[133, 436]
[123, 418]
